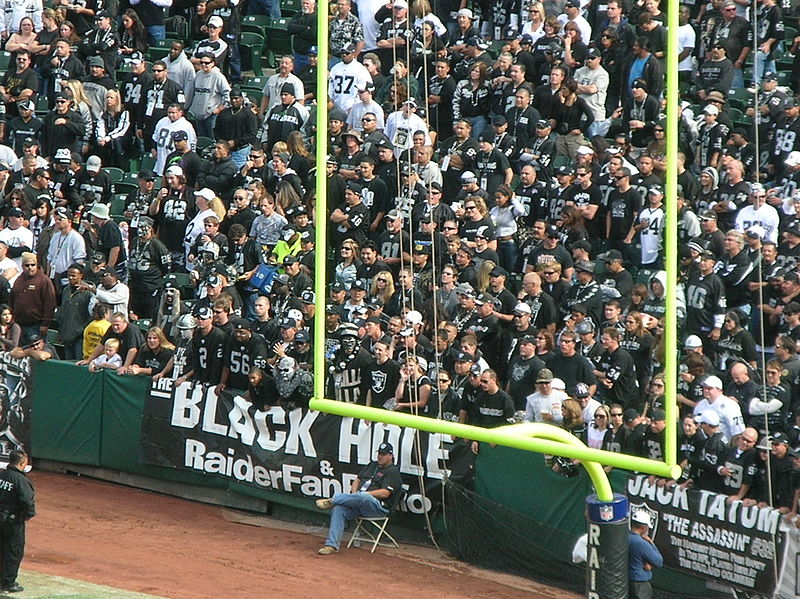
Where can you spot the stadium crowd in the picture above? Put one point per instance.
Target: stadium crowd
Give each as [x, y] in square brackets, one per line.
[495, 220]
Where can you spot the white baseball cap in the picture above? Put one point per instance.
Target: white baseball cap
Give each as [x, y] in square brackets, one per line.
[712, 381]
[693, 342]
[641, 517]
[709, 417]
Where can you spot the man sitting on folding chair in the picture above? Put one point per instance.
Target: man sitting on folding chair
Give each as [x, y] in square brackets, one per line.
[372, 495]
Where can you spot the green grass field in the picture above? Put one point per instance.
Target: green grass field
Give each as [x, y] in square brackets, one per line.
[44, 586]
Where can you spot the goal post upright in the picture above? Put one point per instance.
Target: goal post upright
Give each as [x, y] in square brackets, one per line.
[519, 436]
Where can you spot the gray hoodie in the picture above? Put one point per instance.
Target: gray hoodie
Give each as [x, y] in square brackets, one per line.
[211, 90]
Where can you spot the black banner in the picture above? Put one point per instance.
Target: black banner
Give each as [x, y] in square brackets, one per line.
[15, 404]
[702, 534]
[302, 452]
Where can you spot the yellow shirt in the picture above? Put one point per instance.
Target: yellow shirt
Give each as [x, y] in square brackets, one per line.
[92, 335]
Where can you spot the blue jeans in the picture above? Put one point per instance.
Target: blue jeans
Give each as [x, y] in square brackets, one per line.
[156, 33]
[234, 59]
[479, 123]
[508, 251]
[73, 350]
[738, 79]
[205, 127]
[347, 507]
[271, 8]
[300, 60]
[28, 331]
[240, 156]
[762, 64]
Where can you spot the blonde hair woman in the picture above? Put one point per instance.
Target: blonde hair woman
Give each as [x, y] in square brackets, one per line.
[113, 132]
[382, 286]
[83, 106]
[51, 21]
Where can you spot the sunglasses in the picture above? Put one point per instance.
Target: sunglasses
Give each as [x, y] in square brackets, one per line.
[206, 62]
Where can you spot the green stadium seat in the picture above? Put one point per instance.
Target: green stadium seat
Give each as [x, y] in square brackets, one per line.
[148, 162]
[254, 95]
[742, 95]
[42, 107]
[644, 276]
[154, 54]
[115, 174]
[250, 28]
[735, 114]
[124, 187]
[5, 60]
[203, 142]
[118, 203]
[278, 41]
[257, 20]
[254, 82]
[251, 46]
[290, 8]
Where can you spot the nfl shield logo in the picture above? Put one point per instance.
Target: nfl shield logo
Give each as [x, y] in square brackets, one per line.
[606, 513]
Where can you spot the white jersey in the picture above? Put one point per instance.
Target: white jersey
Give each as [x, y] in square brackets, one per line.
[650, 236]
[731, 422]
[400, 131]
[766, 216]
[687, 38]
[18, 238]
[272, 89]
[7, 267]
[13, 11]
[344, 82]
[193, 230]
[367, 10]
[162, 136]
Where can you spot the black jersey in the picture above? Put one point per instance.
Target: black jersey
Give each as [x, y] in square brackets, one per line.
[651, 445]
[742, 465]
[206, 355]
[705, 303]
[241, 357]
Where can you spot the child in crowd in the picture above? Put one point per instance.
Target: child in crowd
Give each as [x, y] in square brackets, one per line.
[110, 358]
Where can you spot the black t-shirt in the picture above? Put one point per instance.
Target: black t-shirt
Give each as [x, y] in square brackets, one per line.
[622, 206]
[490, 411]
[522, 378]
[572, 370]
[146, 358]
[470, 228]
[382, 380]
[131, 337]
[108, 237]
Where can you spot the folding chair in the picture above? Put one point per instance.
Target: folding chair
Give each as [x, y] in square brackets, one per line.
[372, 530]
